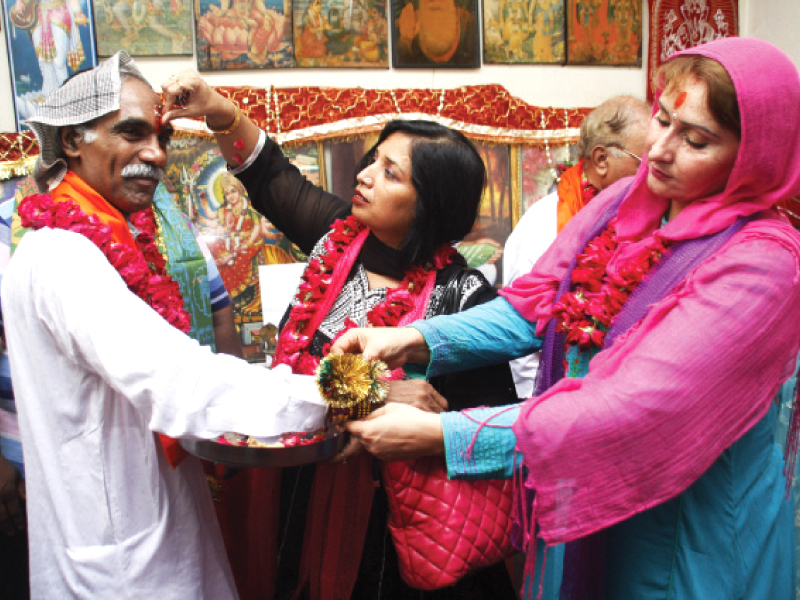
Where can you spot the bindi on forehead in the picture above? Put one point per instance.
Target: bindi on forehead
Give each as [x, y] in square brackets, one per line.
[680, 100]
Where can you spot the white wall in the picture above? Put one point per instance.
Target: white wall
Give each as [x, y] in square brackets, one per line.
[776, 21]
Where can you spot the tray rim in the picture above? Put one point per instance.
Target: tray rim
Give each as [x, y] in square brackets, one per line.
[245, 456]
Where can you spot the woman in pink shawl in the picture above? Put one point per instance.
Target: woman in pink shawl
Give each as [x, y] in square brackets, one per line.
[666, 313]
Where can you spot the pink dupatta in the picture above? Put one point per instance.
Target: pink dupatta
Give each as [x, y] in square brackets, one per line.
[660, 405]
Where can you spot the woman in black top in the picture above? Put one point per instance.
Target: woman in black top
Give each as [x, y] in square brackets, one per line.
[418, 190]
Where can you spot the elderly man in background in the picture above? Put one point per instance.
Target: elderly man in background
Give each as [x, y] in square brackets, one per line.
[95, 329]
[610, 147]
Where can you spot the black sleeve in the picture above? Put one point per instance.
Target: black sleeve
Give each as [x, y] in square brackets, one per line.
[302, 211]
[485, 386]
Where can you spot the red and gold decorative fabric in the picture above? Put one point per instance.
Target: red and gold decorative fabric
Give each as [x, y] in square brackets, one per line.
[305, 114]
[680, 24]
[486, 112]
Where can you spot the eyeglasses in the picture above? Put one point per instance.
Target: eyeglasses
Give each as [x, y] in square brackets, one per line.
[628, 152]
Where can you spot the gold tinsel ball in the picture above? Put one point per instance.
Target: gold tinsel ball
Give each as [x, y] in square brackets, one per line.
[347, 380]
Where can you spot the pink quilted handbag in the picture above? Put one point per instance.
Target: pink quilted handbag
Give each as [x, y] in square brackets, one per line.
[444, 529]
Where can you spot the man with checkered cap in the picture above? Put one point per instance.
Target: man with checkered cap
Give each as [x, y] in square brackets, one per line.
[101, 364]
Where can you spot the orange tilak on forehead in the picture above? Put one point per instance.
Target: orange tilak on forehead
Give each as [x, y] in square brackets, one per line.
[680, 100]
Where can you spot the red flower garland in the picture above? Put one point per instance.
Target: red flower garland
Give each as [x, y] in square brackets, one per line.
[586, 313]
[316, 279]
[143, 270]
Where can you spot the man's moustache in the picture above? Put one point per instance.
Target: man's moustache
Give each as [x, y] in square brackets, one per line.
[146, 171]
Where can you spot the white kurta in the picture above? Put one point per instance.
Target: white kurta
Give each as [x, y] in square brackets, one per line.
[532, 236]
[96, 371]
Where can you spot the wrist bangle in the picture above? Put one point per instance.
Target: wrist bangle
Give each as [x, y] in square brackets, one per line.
[236, 120]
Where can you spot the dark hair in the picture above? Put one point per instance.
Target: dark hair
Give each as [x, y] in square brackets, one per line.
[721, 97]
[448, 175]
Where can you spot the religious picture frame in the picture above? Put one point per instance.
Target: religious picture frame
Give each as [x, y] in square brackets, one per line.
[239, 239]
[680, 24]
[40, 67]
[435, 34]
[243, 34]
[343, 158]
[540, 169]
[144, 27]
[483, 246]
[341, 33]
[524, 32]
[604, 32]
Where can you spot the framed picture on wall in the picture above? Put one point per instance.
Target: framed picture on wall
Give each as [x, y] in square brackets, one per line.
[239, 238]
[143, 27]
[243, 34]
[483, 246]
[523, 32]
[604, 32]
[40, 63]
[435, 33]
[334, 33]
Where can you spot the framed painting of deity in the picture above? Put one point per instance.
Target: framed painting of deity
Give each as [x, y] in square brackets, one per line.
[539, 170]
[604, 32]
[483, 246]
[435, 33]
[239, 239]
[144, 27]
[523, 32]
[243, 34]
[680, 24]
[341, 33]
[43, 52]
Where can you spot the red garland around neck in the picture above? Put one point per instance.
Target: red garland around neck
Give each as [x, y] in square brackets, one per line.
[587, 312]
[143, 270]
[295, 341]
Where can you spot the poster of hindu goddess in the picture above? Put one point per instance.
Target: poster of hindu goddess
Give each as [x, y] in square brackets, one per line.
[523, 31]
[244, 34]
[604, 32]
[341, 33]
[144, 27]
[239, 238]
[48, 41]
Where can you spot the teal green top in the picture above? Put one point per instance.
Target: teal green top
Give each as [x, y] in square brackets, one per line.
[730, 535]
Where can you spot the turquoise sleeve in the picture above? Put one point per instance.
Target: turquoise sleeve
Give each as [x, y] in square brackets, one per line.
[479, 442]
[487, 334]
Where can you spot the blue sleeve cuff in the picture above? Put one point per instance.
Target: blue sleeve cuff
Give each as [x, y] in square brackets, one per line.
[479, 443]
[487, 334]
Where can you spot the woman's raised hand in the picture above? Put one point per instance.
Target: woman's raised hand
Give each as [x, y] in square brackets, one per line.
[399, 431]
[393, 345]
[186, 94]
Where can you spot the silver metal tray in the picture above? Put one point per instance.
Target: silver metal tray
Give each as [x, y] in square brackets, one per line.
[244, 456]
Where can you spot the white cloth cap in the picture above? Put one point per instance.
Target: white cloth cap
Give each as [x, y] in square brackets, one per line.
[83, 98]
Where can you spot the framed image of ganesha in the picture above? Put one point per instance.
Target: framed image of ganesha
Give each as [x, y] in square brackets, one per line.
[332, 33]
[243, 34]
